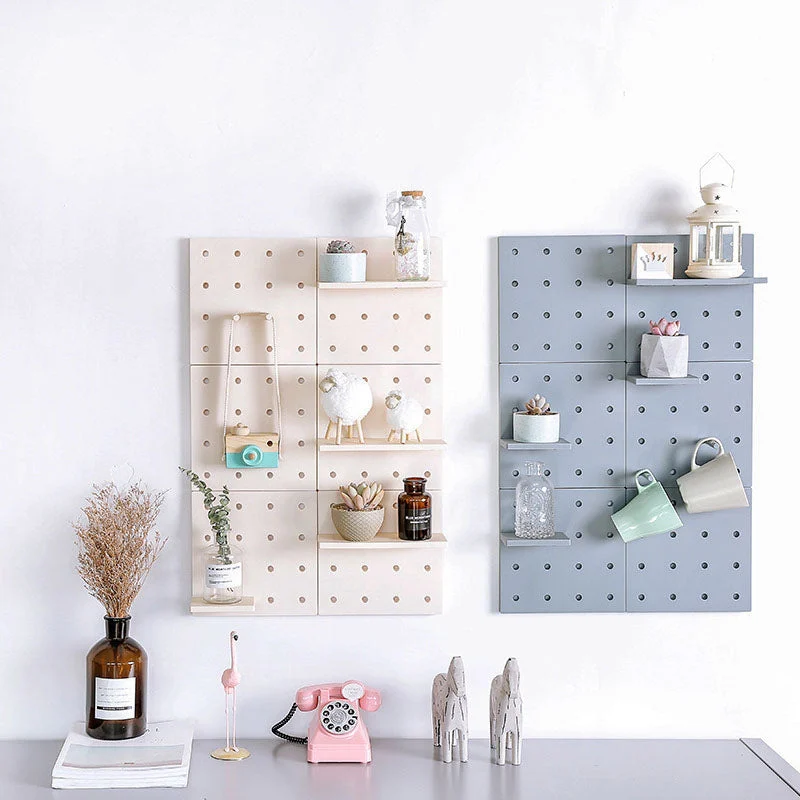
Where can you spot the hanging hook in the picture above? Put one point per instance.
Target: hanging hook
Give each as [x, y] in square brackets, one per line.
[728, 163]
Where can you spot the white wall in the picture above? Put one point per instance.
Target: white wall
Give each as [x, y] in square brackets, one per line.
[126, 128]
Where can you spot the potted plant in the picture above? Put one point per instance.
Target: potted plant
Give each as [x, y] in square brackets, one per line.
[665, 351]
[537, 423]
[359, 515]
[340, 263]
[222, 561]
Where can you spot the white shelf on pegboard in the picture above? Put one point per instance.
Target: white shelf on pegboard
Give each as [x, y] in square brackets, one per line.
[380, 446]
[371, 285]
[247, 605]
[383, 541]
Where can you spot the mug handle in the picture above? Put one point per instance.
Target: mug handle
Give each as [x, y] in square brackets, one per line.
[707, 440]
[639, 487]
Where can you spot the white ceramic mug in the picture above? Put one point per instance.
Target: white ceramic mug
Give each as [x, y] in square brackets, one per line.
[713, 486]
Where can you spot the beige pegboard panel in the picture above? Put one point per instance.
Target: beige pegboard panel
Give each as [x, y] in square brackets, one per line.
[380, 256]
[252, 395]
[326, 498]
[277, 534]
[388, 468]
[384, 576]
[424, 383]
[229, 276]
[380, 322]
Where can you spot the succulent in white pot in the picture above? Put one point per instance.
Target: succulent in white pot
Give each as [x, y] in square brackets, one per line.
[537, 423]
[359, 515]
[665, 351]
[340, 263]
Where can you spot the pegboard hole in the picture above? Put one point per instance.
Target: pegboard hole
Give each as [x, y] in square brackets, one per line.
[270, 568]
[515, 566]
[546, 315]
[270, 599]
[206, 443]
[514, 251]
[270, 506]
[205, 317]
[578, 440]
[610, 440]
[579, 378]
[673, 597]
[609, 535]
[578, 409]
[238, 537]
[515, 347]
[515, 284]
[546, 251]
[546, 379]
[206, 412]
[609, 565]
[547, 598]
[737, 377]
[736, 565]
[268, 284]
[704, 565]
[641, 440]
[704, 596]
[207, 538]
[546, 566]
[546, 346]
[427, 598]
[610, 409]
[515, 598]
[427, 316]
[673, 409]
[269, 253]
[578, 346]
[364, 568]
[578, 314]
[395, 474]
[673, 472]
[609, 250]
[427, 568]
[205, 285]
[673, 440]
[238, 348]
[673, 314]
[545, 283]
[301, 285]
[547, 473]
[364, 348]
[641, 409]
[396, 348]
[609, 282]
[673, 535]
[736, 440]
[610, 314]
[579, 597]
[238, 506]
[737, 313]
[578, 251]
[396, 567]
[333, 598]
[301, 537]
[427, 348]
[579, 565]
[205, 253]
[609, 597]
[270, 537]
[579, 472]
[206, 475]
[301, 599]
[301, 253]
[579, 282]
[641, 597]
[609, 471]
[396, 599]
[736, 595]
[704, 534]
[578, 503]
[705, 345]
[365, 474]
[737, 345]
[705, 409]
[270, 475]
[237, 285]
[673, 565]
[333, 567]
[427, 474]
[641, 315]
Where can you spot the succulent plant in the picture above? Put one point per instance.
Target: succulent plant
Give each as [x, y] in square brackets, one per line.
[340, 246]
[362, 496]
[538, 405]
[664, 328]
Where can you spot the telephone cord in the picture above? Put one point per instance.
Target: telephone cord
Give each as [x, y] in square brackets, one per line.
[276, 728]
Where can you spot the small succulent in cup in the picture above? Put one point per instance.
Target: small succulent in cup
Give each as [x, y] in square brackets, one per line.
[340, 246]
[664, 328]
[538, 405]
[362, 496]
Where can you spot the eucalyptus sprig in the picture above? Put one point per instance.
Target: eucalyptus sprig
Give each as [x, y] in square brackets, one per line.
[216, 507]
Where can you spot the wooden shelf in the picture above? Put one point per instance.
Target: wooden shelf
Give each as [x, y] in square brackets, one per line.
[559, 540]
[510, 444]
[369, 285]
[383, 541]
[379, 446]
[247, 605]
[695, 281]
[640, 380]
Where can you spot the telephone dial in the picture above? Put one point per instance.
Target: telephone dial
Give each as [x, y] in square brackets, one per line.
[337, 732]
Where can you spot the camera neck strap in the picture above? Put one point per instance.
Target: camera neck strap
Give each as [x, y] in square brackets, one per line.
[272, 333]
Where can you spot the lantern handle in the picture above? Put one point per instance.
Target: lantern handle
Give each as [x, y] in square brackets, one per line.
[728, 163]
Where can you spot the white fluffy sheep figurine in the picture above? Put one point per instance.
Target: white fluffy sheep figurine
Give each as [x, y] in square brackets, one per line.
[404, 415]
[346, 399]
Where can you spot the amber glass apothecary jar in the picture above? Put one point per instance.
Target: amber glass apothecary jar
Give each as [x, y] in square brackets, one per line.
[116, 684]
[414, 511]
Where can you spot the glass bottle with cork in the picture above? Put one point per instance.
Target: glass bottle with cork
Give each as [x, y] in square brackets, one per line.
[414, 511]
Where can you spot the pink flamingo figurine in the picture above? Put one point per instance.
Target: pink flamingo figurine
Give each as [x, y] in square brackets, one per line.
[231, 678]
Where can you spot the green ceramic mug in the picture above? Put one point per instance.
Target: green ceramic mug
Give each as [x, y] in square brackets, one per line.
[649, 513]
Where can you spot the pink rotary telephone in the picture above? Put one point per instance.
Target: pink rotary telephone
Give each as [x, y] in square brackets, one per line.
[337, 732]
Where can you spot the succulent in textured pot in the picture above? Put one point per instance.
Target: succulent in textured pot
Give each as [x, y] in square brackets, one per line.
[359, 515]
[222, 561]
[537, 423]
[340, 263]
[665, 351]
[117, 546]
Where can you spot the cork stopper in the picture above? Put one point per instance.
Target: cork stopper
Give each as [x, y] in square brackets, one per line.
[412, 193]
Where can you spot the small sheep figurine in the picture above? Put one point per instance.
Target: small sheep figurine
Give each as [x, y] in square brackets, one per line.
[346, 399]
[404, 416]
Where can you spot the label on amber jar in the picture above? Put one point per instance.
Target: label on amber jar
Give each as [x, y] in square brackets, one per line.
[114, 698]
[224, 576]
[421, 516]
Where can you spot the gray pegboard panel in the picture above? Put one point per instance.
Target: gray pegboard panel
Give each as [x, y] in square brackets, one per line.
[591, 401]
[703, 566]
[664, 423]
[717, 319]
[562, 298]
[587, 576]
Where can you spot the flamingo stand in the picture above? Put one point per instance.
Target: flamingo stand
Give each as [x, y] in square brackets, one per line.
[230, 680]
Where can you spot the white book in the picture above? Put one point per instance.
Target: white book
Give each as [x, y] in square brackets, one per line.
[160, 757]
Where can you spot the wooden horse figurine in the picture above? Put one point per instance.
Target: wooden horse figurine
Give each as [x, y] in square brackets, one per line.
[505, 715]
[449, 709]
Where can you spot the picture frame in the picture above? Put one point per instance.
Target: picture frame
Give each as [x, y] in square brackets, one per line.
[653, 260]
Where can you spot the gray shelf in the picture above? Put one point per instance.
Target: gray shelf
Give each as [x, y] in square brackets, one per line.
[695, 281]
[640, 380]
[559, 540]
[510, 444]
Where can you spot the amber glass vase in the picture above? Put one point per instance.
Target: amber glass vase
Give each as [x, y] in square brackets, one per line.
[414, 511]
[116, 684]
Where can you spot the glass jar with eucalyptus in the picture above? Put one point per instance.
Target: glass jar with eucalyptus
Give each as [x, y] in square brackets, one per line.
[222, 561]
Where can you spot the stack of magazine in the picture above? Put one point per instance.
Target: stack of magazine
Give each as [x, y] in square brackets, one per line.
[158, 758]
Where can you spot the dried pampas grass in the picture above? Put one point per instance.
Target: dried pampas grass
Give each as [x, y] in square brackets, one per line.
[118, 543]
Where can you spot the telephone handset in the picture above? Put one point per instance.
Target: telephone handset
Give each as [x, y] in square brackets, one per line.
[337, 732]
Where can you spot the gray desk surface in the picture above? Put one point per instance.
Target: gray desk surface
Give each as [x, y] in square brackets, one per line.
[567, 769]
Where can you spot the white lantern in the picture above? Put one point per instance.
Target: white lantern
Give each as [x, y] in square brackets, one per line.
[715, 241]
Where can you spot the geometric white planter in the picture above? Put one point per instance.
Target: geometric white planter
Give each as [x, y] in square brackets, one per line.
[537, 428]
[664, 356]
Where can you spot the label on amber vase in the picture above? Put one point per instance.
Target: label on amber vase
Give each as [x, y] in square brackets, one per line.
[114, 698]
[224, 576]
